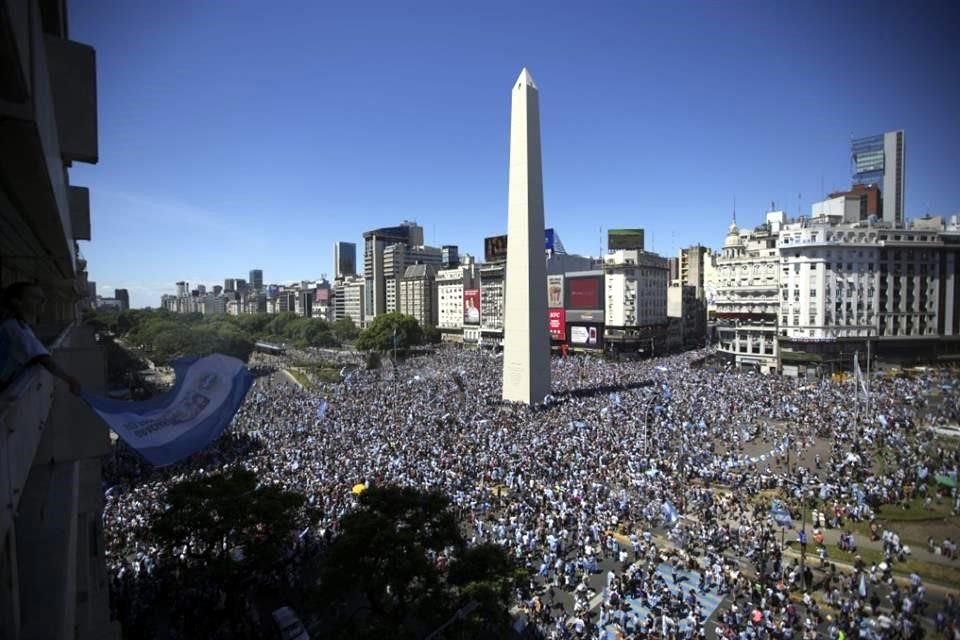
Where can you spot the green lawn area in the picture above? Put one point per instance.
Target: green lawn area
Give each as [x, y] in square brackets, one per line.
[300, 377]
[943, 574]
[321, 371]
[915, 511]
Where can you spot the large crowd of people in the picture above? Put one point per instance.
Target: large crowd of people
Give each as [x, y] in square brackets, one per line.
[627, 465]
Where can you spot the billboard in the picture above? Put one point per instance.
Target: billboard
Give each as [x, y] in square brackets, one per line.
[322, 295]
[586, 336]
[555, 292]
[557, 324]
[471, 306]
[624, 239]
[495, 248]
[584, 292]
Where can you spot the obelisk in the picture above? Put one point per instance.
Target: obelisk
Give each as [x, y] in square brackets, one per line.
[526, 341]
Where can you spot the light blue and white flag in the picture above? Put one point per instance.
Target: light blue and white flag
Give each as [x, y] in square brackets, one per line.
[670, 514]
[322, 409]
[780, 514]
[172, 426]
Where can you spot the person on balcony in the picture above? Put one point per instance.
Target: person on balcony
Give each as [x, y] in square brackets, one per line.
[20, 304]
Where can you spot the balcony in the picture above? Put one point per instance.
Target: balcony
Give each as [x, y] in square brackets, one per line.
[41, 421]
[47, 118]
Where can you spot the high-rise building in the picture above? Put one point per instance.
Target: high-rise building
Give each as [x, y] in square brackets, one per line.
[418, 294]
[450, 255]
[879, 160]
[256, 279]
[374, 242]
[229, 284]
[183, 289]
[92, 290]
[351, 292]
[526, 343]
[123, 296]
[344, 259]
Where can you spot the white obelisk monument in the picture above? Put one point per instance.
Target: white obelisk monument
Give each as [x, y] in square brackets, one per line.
[526, 341]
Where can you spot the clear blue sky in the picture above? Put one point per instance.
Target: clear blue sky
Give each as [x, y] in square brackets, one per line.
[239, 135]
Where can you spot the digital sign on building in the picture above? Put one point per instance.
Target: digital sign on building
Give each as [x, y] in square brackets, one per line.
[495, 248]
[555, 291]
[585, 335]
[624, 239]
[471, 306]
[584, 292]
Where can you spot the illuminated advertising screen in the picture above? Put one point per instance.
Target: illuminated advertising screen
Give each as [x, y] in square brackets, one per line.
[495, 248]
[624, 239]
[584, 292]
[555, 292]
[557, 324]
[471, 306]
[585, 335]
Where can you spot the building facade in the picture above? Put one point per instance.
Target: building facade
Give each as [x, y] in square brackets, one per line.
[53, 581]
[374, 243]
[747, 302]
[491, 303]
[635, 300]
[354, 299]
[879, 161]
[451, 284]
[344, 259]
[418, 294]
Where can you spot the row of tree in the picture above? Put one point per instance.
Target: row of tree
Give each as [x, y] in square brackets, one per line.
[399, 566]
[163, 335]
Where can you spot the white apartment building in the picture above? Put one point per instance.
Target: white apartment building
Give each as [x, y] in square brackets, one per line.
[353, 291]
[860, 280]
[827, 288]
[450, 285]
[747, 297]
[635, 297]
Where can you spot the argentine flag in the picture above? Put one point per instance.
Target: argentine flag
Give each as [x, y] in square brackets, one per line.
[172, 426]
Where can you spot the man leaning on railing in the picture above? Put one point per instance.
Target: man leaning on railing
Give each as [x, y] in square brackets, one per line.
[20, 305]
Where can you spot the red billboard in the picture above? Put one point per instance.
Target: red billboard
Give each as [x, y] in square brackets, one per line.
[471, 306]
[584, 292]
[557, 323]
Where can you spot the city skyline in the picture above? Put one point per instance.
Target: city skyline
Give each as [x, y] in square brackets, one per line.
[658, 118]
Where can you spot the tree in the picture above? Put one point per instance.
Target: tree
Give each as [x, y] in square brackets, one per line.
[235, 534]
[379, 335]
[345, 329]
[222, 513]
[385, 562]
[431, 335]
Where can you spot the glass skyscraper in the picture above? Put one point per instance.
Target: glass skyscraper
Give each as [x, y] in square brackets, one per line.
[879, 160]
